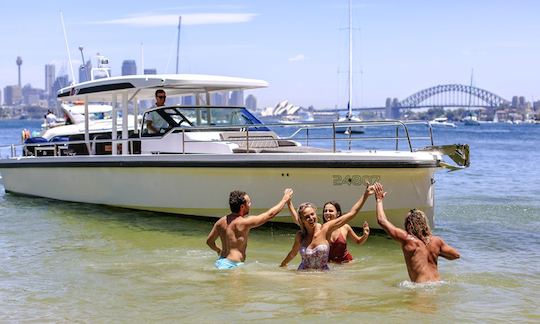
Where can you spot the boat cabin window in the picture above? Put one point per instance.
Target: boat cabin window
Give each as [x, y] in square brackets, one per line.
[171, 117]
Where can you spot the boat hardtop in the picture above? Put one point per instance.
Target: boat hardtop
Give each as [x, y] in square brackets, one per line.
[144, 86]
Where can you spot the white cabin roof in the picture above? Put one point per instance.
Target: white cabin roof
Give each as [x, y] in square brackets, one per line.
[144, 86]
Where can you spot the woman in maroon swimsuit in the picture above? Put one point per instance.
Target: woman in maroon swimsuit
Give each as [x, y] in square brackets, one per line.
[338, 238]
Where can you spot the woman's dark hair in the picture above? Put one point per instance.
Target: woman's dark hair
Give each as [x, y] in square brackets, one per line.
[236, 199]
[336, 205]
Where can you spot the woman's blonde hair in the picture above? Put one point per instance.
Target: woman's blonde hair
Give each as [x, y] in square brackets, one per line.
[300, 210]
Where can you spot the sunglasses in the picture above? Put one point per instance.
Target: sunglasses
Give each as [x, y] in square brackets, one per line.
[161, 97]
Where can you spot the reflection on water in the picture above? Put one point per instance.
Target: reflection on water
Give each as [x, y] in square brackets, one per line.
[65, 262]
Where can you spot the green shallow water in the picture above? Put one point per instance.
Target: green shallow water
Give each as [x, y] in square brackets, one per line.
[69, 262]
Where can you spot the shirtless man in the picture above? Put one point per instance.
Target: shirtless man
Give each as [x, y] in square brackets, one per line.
[233, 229]
[420, 248]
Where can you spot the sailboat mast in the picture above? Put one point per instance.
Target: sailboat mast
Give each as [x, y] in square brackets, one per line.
[349, 113]
[178, 43]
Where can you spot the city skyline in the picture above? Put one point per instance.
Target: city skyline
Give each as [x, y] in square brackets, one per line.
[300, 48]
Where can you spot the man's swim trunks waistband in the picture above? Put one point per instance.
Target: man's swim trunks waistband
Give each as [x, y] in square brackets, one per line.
[224, 264]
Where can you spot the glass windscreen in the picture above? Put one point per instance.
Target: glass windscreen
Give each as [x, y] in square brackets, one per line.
[171, 117]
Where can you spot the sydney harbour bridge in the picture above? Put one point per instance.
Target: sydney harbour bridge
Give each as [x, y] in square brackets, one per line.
[443, 96]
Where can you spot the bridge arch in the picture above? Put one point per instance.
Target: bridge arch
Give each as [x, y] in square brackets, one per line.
[452, 95]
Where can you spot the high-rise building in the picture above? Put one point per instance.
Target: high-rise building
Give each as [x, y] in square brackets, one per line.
[237, 98]
[217, 99]
[50, 75]
[84, 71]
[150, 71]
[129, 67]
[31, 96]
[251, 102]
[188, 100]
[12, 95]
[60, 82]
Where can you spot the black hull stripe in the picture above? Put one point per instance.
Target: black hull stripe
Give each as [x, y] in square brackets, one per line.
[100, 88]
[222, 164]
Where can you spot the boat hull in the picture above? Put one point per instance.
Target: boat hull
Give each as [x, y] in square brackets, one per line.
[199, 186]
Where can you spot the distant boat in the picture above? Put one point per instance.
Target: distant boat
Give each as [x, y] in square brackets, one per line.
[471, 120]
[442, 121]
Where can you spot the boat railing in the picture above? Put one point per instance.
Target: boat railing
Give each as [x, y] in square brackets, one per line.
[250, 137]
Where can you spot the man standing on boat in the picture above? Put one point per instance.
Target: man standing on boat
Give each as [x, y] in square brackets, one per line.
[233, 229]
[420, 248]
[154, 122]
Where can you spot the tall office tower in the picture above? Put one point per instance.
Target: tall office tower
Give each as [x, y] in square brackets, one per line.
[251, 102]
[217, 99]
[237, 98]
[150, 71]
[1, 97]
[50, 75]
[129, 67]
[12, 95]
[188, 100]
[19, 63]
[84, 71]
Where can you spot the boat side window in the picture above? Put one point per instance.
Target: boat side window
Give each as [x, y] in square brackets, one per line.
[156, 123]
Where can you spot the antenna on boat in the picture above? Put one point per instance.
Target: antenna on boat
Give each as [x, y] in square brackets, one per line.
[83, 66]
[67, 47]
[178, 43]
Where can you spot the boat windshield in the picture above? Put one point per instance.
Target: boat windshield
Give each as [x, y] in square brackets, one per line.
[161, 120]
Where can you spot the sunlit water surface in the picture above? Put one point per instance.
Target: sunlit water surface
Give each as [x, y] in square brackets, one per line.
[69, 262]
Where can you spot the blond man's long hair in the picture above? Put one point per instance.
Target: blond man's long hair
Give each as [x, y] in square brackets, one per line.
[416, 224]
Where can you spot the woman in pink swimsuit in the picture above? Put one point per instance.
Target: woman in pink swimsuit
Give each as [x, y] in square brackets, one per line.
[312, 241]
[338, 238]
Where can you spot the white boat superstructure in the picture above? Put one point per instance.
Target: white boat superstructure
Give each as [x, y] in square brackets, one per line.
[203, 152]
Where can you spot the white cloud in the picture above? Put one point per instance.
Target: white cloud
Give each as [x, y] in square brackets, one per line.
[297, 57]
[187, 19]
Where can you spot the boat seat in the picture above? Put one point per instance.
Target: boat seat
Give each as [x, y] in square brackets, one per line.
[257, 139]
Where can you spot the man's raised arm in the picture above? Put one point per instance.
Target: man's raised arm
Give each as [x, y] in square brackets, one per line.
[254, 221]
[396, 233]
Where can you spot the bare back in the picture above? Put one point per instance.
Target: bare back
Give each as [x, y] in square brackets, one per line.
[421, 259]
[233, 235]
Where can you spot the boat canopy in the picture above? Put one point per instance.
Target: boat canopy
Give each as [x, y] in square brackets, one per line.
[144, 86]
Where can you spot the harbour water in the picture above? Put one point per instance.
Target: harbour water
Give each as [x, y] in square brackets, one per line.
[69, 262]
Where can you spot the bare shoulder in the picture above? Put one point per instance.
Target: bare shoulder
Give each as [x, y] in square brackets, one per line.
[435, 240]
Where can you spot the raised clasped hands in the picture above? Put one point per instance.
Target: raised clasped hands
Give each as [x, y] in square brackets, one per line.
[379, 191]
[287, 194]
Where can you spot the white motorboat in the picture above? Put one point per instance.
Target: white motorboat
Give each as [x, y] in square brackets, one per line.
[471, 120]
[442, 121]
[207, 151]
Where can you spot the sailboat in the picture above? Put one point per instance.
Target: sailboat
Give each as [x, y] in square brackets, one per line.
[349, 120]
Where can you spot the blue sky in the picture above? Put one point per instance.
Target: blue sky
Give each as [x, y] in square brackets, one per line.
[299, 47]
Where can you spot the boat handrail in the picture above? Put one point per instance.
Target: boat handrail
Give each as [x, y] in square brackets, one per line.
[251, 137]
